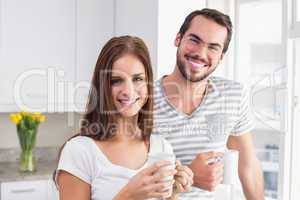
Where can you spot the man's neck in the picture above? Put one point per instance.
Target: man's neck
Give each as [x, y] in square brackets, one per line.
[184, 95]
[178, 85]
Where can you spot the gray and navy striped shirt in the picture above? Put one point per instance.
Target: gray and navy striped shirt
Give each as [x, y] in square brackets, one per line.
[224, 111]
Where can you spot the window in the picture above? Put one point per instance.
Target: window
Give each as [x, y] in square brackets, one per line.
[298, 10]
[295, 26]
[259, 65]
[295, 181]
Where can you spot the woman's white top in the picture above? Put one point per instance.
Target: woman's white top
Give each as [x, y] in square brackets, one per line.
[82, 158]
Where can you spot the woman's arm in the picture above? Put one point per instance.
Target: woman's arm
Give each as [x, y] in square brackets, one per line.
[72, 188]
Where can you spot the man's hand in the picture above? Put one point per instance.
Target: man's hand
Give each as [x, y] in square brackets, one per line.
[208, 170]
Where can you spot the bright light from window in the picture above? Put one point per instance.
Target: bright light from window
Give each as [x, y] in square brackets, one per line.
[298, 10]
[296, 137]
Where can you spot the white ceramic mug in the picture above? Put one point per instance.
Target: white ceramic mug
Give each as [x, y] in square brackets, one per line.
[152, 158]
[231, 163]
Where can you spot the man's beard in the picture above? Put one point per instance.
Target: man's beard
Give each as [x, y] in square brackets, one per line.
[184, 73]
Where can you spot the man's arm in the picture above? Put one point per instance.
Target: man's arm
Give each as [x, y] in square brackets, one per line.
[250, 171]
[207, 176]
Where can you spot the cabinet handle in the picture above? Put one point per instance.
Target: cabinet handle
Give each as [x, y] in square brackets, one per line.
[23, 190]
[36, 95]
[296, 101]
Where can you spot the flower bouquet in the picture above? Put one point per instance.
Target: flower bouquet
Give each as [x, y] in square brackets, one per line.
[27, 126]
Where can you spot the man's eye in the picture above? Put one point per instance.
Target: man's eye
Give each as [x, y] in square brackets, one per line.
[194, 40]
[213, 48]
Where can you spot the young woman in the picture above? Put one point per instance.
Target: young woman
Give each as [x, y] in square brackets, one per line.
[108, 159]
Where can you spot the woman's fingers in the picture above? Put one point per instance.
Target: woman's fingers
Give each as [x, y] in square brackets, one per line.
[185, 182]
[155, 167]
[179, 187]
[183, 178]
[159, 189]
[158, 194]
[163, 174]
[185, 169]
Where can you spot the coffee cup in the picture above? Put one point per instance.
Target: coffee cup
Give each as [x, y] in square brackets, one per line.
[231, 161]
[152, 158]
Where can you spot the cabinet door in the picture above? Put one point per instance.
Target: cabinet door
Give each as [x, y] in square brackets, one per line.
[95, 26]
[33, 190]
[37, 39]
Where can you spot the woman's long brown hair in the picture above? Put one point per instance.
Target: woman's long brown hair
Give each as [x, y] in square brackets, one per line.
[99, 119]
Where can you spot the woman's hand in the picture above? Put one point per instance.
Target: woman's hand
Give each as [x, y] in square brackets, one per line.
[148, 183]
[183, 178]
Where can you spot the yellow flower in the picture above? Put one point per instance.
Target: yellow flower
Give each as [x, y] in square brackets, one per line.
[37, 113]
[32, 117]
[19, 116]
[23, 113]
[14, 118]
[42, 118]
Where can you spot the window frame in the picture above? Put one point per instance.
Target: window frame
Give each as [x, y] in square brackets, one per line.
[295, 26]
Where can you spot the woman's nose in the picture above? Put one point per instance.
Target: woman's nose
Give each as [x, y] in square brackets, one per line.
[128, 89]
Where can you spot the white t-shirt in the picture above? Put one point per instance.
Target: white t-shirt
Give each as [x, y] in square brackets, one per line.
[82, 158]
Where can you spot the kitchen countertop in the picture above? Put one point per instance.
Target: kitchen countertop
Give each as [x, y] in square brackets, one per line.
[9, 171]
[9, 164]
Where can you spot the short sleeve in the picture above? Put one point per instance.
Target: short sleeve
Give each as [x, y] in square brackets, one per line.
[76, 160]
[245, 121]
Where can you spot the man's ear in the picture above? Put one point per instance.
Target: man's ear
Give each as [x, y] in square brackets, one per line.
[177, 40]
[222, 56]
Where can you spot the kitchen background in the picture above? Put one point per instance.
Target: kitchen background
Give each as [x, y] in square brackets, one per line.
[48, 50]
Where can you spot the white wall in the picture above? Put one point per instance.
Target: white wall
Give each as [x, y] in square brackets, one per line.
[139, 18]
[171, 15]
[226, 67]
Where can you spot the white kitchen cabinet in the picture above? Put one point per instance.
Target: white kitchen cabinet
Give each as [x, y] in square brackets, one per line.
[29, 190]
[37, 39]
[24, 190]
[48, 50]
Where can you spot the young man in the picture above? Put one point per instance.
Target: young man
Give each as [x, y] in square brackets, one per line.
[202, 115]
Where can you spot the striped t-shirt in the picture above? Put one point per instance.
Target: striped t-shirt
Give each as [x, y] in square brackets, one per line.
[224, 111]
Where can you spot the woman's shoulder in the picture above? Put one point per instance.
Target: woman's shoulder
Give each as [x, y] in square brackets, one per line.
[80, 140]
[79, 143]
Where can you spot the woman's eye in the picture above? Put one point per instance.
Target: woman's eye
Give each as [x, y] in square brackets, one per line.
[115, 81]
[138, 79]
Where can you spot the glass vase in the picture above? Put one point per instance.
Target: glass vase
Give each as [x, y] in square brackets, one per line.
[27, 138]
[27, 161]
